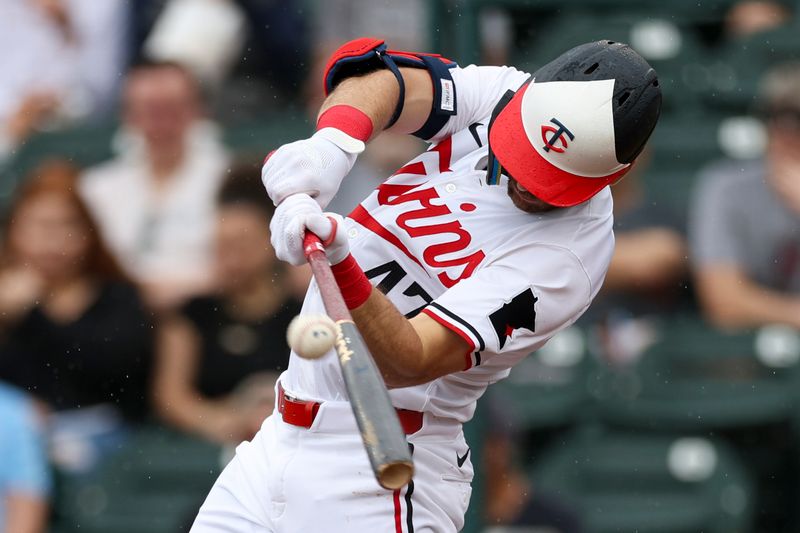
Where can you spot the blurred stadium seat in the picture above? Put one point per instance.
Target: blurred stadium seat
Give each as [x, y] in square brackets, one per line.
[743, 387]
[697, 378]
[266, 133]
[155, 483]
[548, 388]
[667, 42]
[680, 147]
[83, 145]
[645, 483]
[736, 71]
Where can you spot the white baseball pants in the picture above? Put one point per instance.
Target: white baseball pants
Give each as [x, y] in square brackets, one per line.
[290, 479]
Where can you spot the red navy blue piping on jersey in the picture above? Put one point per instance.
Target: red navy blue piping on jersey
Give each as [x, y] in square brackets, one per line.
[481, 344]
[458, 331]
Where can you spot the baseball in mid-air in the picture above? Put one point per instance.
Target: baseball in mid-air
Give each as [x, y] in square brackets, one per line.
[311, 336]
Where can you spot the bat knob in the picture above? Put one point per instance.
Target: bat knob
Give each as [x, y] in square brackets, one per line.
[395, 475]
[311, 244]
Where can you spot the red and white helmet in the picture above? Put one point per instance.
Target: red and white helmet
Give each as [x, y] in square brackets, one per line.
[577, 125]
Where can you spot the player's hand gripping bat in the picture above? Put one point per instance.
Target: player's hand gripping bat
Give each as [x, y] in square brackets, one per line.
[377, 419]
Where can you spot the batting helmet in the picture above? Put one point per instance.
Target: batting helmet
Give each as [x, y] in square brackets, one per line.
[578, 124]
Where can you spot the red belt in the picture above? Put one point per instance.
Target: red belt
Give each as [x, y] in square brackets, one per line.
[303, 412]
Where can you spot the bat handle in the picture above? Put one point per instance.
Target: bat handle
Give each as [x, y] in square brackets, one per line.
[328, 288]
[312, 245]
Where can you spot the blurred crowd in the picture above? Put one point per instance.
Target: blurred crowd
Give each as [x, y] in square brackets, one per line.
[143, 288]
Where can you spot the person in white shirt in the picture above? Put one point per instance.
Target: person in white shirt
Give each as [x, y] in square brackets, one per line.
[60, 62]
[459, 265]
[155, 201]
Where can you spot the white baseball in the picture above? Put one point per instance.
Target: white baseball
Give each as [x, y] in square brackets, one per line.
[311, 336]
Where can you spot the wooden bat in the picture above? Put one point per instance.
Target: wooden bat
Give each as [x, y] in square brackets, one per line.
[377, 419]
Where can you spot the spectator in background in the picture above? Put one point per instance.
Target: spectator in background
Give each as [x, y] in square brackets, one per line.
[24, 475]
[748, 17]
[648, 275]
[650, 257]
[72, 332]
[745, 221]
[60, 61]
[278, 44]
[155, 201]
[219, 357]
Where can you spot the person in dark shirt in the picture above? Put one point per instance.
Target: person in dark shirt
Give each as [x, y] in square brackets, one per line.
[647, 279]
[219, 357]
[73, 331]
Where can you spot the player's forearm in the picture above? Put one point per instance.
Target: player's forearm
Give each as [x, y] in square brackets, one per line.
[646, 259]
[376, 94]
[408, 352]
[392, 341]
[732, 300]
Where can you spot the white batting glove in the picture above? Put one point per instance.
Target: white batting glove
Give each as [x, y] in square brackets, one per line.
[290, 221]
[315, 166]
[329, 227]
[288, 226]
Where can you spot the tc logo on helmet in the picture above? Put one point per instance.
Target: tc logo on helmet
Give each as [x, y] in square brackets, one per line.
[557, 135]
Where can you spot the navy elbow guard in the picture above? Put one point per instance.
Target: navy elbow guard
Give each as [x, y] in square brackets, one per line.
[367, 54]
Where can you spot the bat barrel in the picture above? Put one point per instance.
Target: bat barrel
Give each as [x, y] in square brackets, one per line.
[394, 476]
[376, 417]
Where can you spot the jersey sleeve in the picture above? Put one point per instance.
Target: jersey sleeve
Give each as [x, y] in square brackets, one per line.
[477, 91]
[515, 303]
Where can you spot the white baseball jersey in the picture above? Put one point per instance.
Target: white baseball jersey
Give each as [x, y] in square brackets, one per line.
[436, 239]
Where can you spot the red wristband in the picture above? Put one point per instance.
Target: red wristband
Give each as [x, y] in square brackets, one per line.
[353, 284]
[348, 119]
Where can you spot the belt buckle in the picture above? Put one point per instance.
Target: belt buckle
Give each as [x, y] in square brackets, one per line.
[289, 398]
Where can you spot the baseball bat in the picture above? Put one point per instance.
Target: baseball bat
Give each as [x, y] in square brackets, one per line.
[377, 419]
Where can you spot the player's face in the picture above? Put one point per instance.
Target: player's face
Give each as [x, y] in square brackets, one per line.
[525, 200]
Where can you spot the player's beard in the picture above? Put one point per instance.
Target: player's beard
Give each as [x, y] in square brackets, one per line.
[526, 201]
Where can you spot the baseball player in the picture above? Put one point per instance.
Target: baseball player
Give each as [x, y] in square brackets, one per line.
[459, 265]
